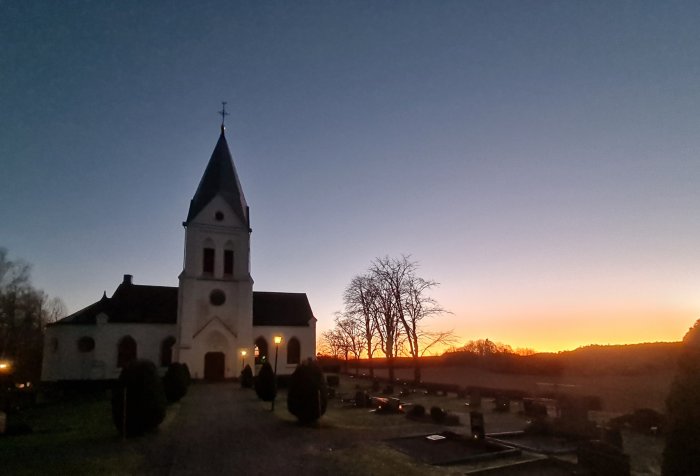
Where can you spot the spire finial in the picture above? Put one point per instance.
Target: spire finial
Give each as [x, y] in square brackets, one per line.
[223, 115]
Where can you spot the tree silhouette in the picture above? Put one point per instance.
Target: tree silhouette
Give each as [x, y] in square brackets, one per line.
[682, 452]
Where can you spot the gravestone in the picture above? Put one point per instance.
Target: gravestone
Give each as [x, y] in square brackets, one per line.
[501, 404]
[476, 420]
[362, 399]
[474, 400]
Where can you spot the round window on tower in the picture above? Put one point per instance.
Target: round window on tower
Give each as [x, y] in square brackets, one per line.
[219, 216]
[217, 297]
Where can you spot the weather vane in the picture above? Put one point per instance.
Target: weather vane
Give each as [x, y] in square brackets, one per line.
[223, 113]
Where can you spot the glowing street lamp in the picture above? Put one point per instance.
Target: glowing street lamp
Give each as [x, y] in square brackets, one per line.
[243, 354]
[278, 340]
[4, 366]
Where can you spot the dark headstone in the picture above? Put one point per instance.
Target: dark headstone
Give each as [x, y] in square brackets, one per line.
[475, 400]
[501, 404]
[476, 420]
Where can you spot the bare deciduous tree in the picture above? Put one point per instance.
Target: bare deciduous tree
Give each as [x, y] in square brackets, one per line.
[412, 304]
[349, 332]
[360, 306]
[391, 301]
[24, 311]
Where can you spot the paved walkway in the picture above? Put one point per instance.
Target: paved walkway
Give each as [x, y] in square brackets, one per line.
[222, 429]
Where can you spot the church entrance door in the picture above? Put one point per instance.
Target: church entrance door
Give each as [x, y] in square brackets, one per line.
[214, 366]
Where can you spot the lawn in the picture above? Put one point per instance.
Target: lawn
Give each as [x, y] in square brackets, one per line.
[75, 437]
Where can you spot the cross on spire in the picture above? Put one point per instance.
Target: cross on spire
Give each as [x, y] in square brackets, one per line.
[223, 114]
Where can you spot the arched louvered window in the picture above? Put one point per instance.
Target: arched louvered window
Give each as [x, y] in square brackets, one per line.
[228, 260]
[208, 261]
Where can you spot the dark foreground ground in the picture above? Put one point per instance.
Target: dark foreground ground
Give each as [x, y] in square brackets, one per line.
[222, 429]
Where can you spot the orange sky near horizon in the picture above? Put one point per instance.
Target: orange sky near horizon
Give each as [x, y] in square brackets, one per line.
[554, 332]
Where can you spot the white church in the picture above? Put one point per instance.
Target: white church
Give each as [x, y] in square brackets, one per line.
[213, 321]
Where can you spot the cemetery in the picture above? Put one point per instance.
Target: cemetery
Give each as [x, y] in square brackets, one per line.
[431, 429]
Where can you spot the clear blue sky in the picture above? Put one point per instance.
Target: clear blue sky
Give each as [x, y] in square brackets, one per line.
[540, 159]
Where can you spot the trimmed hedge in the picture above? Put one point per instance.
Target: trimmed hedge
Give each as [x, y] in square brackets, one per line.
[437, 414]
[307, 398]
[247, 377]
[176, 381]
[140, 387]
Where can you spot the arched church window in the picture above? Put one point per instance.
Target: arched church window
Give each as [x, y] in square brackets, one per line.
[208, 261]
[126, 351]
[293, 351]
[166, 351]
[86, 344]
[260, 350]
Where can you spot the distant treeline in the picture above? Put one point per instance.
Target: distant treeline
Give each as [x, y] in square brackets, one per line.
[633, 359]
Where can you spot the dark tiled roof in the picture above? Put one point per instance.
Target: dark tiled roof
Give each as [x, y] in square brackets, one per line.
[131, 303]
[281, 309]
[220, 178]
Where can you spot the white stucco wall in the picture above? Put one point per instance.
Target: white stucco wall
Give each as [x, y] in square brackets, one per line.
[65, 362]
[307, 342]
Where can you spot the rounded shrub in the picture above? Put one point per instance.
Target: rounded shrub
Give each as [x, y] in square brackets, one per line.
[265, 385]
[307, 397]
[138, 399]
[247, 377]
[437, 414]
[175, 381]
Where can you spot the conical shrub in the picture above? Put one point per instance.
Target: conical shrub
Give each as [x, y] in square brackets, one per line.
[265, 385]
[175, 381]
[307, 397]
[138, 399]
[247, 377]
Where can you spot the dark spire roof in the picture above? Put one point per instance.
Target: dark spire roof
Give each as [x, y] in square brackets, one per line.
[220, 178]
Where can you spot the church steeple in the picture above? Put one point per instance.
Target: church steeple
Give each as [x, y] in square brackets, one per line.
[220, 178]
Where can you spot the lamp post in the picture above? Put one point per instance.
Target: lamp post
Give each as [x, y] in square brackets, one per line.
[243, 354]
[278, 340]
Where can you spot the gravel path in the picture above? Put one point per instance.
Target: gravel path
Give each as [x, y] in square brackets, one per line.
[222, 429]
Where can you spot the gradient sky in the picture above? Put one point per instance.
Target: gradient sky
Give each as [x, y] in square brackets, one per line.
[539, 159]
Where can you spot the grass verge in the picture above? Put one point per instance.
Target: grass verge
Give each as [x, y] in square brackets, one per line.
[75, 437]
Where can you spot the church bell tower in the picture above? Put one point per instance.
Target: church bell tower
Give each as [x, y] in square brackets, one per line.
[215, 295]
